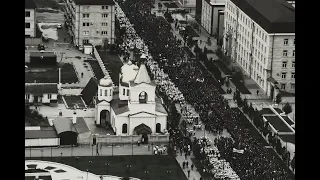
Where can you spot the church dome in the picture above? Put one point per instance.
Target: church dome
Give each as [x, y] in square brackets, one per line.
[106, 81]
[129, 63]
[128, 72]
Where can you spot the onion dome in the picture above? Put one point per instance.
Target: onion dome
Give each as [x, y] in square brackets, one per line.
[106, 81]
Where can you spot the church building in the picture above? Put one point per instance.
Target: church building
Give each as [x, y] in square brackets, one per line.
[132, 108]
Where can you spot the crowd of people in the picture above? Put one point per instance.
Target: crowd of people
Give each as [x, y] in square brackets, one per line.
[188, 83]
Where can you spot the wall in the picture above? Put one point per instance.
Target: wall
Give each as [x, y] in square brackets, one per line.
[147, 120]
[278, 59]
[44, 98]
[114, 139]
[95, 27]
[134, 104]
[42, 142]
[32, 41]
[206, 16]
[30, 31]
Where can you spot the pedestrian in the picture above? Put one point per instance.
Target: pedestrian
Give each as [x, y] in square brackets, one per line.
[97, 150]
[192, 166]
[183, 164]
[82, 75]
[188, 173]
[257, 92]
[187, 164]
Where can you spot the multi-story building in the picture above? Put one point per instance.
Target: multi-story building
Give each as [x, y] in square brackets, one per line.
[90, 21]
[30, 18]
[212, 16]
[260, 36]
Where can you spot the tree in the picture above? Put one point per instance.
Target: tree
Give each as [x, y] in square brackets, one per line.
[287, 108]
[278, 98]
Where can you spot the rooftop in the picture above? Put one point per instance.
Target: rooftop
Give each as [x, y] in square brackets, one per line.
[274, 16]
[29, 4]
[34, 88]
[44, 132]
[94, 2]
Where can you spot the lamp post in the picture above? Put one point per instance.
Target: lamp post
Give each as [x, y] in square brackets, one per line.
[146, 172]
[132, 144]
[152, 148]
[61, 157]
[87, 174]
[51, 151]
[168, 172]
[77, 158]
[30, 150]
[107, 164]
[90, 162]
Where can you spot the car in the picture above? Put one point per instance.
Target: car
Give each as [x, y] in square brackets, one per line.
[59, 26]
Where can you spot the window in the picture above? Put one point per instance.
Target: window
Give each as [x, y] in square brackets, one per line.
[104, 15]
[100, 92]
[127, 92]
[85, 41]
[104, 32]
[110, 92]
[27, 25]
[124, 128]
[85, 24]
[285, 42]
[293, 53]
[143, 97]
[284, 64]
[283, 75]
[85, 33]
[124, 92]
[104, 7]
[86, 15]
[293, 86]
[285, 53]
[158, 128]
[283, 86]
[293, 65]
[293, 75]
[27, 14]
[49, 96]
[105, 92]
[27, 96]
[104, 24]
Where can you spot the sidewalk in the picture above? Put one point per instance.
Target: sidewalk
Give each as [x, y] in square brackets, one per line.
[194, 174]
[89, 151]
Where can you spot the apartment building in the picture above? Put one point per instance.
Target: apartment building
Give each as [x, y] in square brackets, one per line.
[212, 16]
[259, 36]
[90, 21]
[30, 18]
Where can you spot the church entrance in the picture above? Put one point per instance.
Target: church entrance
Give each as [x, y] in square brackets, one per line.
[105, 118]
[145, 138]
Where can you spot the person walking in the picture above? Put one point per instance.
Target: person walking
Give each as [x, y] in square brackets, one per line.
[192, 166]
[188, 173]
[97, 149]
[187, 164]
[82, 75]
[257, 92]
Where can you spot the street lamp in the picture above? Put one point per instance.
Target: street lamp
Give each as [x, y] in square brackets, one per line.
[87, 174]
[61, 156]
[107, 164]
[92, 150]
[146, 172]
[90, 165]
[168, 172]
[71, 150]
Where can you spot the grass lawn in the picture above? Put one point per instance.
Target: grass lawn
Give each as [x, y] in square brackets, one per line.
[68, 75]
[98, 73]
[74, 101]
[113, 64]
[156, 165]
[278, 124]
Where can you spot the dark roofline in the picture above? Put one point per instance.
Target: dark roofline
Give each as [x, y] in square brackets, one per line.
[270, 24]
[94, 2]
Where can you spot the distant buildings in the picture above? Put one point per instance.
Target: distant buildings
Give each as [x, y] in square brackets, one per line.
[90, 21]
[212, 16]
[44, 93]
[260, 36]
[30, 18]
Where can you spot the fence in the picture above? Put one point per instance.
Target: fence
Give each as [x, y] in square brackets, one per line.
[32, 41]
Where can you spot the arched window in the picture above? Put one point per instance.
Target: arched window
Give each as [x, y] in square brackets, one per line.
[143, 96]
[124, 128]
[158, 128]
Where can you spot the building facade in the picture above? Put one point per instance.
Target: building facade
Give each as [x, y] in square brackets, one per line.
[262, 43]
[212, 16]
[90, 21]
[30, 18]
[41, 93]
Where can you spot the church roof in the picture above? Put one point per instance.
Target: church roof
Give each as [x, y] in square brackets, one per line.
[90, 91]
[142, 75]
[159, 106]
